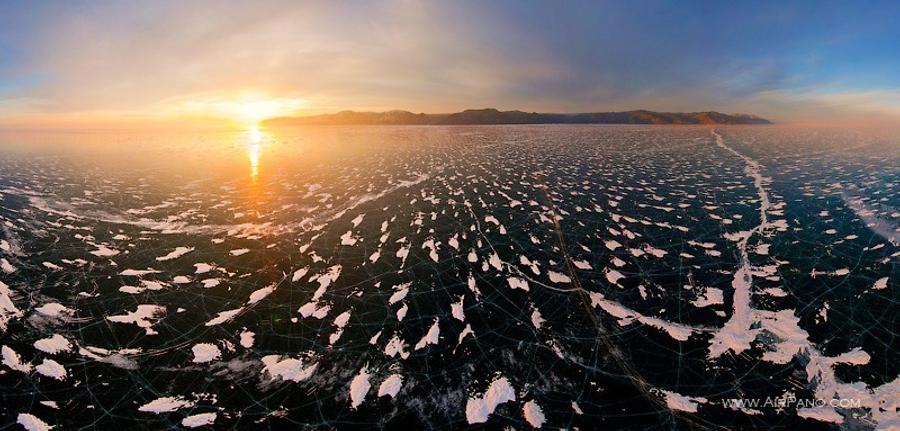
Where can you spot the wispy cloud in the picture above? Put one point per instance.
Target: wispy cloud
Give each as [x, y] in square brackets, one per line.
[158, 58]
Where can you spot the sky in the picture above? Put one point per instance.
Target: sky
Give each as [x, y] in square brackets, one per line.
[72, 63]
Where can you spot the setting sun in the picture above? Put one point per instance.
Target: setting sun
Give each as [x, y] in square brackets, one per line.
[246, 111]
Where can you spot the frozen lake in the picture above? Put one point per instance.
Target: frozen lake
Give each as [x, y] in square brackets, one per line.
[525, 276]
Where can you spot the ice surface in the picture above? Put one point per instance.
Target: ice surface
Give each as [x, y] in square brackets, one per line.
[516, 276]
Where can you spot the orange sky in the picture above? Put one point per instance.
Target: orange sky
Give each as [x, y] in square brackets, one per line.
[201, 64]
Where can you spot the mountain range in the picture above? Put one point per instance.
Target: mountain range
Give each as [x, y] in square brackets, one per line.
[494, 116]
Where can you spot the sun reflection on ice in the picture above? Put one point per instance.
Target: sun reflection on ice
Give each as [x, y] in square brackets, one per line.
[254, 149]
[254, 134]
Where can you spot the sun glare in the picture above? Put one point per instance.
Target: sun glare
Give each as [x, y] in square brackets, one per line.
[254, 134]
[247, 111]
[255, 141]
[253, 151]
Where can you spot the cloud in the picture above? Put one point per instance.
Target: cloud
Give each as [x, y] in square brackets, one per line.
[134, 56]
[156, 58]
[823, 105]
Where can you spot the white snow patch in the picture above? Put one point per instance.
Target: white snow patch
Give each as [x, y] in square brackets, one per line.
[209, 283]
[166, 405]
[359, 387]
[205, 352]
[626, 316]
[8, 309]
[466, 331]
[287, 369]
[138, 272]
[536, 318]
[582, 264]
[325, 279]
[247, 339]
[260, 294]
[348, 238]
[478, 409]
[51, 368]
[202, 268]
[298, 274]
[224, 316]
[711, 296]
[12, 360]
[558, 277]
[53, 345]
[390, 386]
[144, 317]
[174, 254]
[431, 337]
[533, 414]
[613, 276]
[53, 309]
[401, 313]
[576, 408]
[495, 261]
[6, 267]
[456, 309]
[394, 347]
[676, 401]
[356, 221]
[199, 420]
[32, 423]
[104, 251]
[400, 292]
[517, 283]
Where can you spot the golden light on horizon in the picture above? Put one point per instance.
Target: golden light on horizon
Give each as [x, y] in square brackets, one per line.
[247, 111]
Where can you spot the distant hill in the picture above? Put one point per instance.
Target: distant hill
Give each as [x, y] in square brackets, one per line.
[493, 116]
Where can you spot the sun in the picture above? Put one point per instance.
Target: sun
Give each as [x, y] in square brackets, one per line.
[252, 112]
[248, 111]
[254, 134]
